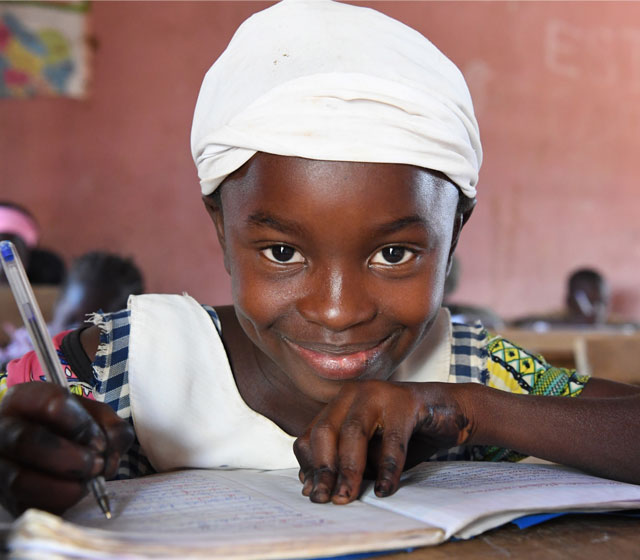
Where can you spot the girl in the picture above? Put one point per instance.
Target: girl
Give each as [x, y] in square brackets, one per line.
[338, 156]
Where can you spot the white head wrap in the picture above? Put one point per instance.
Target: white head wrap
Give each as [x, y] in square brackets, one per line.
[330, 81]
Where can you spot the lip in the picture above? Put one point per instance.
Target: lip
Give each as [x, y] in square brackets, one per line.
[340, 362]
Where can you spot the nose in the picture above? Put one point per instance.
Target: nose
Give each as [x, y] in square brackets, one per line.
[337, 299]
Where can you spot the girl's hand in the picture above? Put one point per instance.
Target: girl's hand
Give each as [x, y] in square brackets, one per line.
[370, 424]
[52, 443]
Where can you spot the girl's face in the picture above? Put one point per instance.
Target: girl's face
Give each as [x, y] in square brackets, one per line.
[337, 268]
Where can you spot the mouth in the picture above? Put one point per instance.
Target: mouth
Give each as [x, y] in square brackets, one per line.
[341, 362]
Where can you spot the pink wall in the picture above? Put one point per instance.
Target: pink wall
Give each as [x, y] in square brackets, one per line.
[557, 93]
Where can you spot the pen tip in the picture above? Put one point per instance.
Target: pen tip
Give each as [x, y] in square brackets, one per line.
[100, 492]
[105, 506]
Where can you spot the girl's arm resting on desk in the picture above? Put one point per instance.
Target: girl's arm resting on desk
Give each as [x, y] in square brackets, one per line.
[596, 432]
[376, 423]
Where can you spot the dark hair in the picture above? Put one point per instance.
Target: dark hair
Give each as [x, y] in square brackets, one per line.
[451, 281]
[465, 204]
[46, 267]
[216, 197]
[585, 275]
[118, 275]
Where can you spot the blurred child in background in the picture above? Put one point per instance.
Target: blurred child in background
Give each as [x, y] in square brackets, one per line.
[18, 225]
[96, 281]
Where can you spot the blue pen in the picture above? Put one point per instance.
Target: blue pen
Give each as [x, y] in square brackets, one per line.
[42, 343]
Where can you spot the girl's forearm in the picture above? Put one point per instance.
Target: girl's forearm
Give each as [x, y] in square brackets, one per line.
[597, 435]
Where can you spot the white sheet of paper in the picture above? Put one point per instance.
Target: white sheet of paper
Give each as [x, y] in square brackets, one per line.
[454, 495]
[262, 514]
[256, 509]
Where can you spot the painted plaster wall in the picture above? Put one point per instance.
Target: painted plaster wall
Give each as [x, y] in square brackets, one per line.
[557, 93]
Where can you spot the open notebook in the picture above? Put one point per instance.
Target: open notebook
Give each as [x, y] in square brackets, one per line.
[261, 514]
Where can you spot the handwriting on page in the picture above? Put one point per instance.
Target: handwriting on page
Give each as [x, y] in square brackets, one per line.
[225, 506]
[478, 478]
[460, 495]
[192, 501]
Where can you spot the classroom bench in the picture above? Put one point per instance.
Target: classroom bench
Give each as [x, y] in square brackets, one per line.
[603, 353]
[45, 295]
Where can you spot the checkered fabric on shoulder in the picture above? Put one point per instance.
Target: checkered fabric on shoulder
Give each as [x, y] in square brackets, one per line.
[468, 354]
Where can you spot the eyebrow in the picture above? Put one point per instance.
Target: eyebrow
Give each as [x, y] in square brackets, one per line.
[401, 223]
[264, 219]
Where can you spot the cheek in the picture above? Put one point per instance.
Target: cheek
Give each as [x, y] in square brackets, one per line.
[414, 303]
[257, 298]
[421, 293]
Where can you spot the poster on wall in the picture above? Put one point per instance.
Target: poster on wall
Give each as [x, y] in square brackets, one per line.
[43, 49]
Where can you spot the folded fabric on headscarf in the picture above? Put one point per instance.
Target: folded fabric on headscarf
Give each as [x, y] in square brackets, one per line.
[329, 81]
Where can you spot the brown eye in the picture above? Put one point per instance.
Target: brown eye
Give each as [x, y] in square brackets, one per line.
[392, 255]
[284, 254]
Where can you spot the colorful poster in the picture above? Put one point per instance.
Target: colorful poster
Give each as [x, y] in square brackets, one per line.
[43, 49]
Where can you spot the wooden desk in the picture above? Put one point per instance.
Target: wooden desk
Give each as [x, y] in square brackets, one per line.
[46, 296]
[559, 346]
[583, 537]
[555, 346]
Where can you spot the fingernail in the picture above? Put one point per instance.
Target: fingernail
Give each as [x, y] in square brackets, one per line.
[383, 488]
[307, 486]
[111, 465]
[343, 494]
[97, 440]
[98, 465]
[320, 495]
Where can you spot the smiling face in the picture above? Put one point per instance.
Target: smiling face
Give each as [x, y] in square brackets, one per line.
[337, 268]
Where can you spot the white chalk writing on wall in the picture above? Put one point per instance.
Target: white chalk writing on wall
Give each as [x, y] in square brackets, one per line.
[602, 56]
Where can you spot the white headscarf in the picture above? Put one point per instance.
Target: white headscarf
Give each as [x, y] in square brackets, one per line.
[330, 81]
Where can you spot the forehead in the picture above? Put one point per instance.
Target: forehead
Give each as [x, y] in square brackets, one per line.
[279, 183]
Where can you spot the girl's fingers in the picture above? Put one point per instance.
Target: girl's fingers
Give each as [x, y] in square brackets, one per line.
[34, 446]
[47, 428]
[302, 451]
[323, 442]
[391, 458]
[334, 451]
[355, 433]
[53, 406]
[52, 443]
[119, 434]
[22, 488]
[317, 453]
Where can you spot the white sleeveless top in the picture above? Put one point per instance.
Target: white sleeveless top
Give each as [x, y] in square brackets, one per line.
[185, 405]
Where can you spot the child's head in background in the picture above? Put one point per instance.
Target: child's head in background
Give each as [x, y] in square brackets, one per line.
[96, 281]
[588, 297]
[18, 225]
[338, 155]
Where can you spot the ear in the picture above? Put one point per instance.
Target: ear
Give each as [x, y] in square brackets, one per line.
[463, 213]
[214, 209]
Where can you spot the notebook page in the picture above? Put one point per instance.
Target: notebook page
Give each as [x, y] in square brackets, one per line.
[466, 498]
[229, 513]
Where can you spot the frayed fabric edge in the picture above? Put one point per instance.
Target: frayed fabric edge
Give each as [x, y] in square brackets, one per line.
[104, 347]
